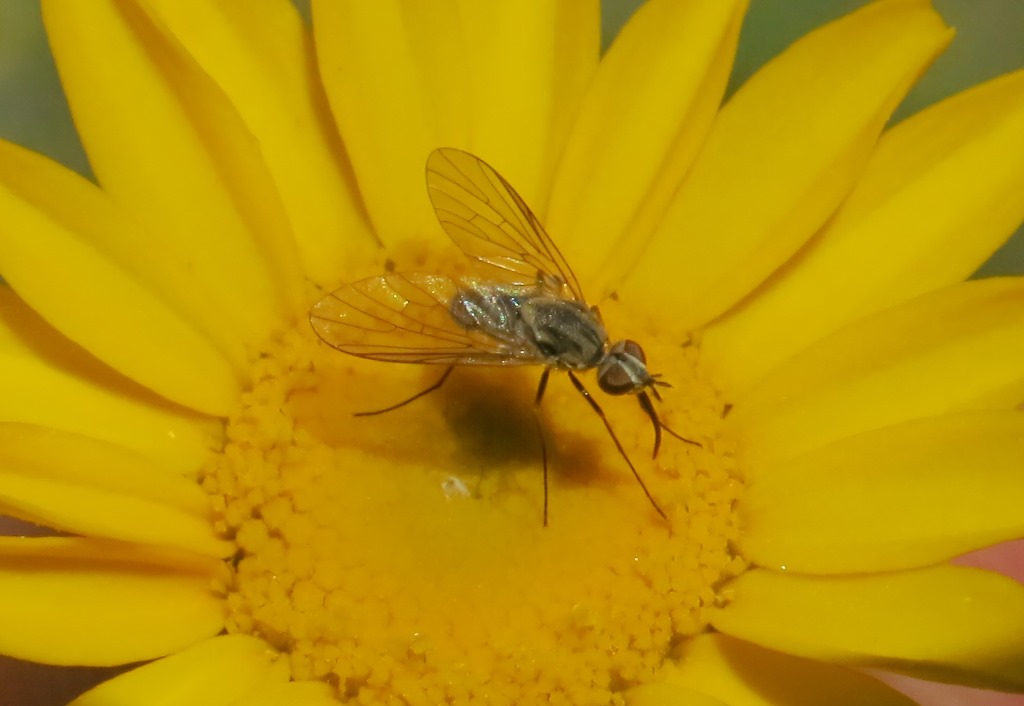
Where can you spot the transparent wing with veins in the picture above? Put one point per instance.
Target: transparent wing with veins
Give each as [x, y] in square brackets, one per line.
[492, 224]
[405, 318]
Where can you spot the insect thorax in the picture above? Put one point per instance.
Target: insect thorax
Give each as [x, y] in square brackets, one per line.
[550, 330]
[567, 334]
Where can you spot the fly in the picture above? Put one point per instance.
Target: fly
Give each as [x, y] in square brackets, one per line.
[523, 306]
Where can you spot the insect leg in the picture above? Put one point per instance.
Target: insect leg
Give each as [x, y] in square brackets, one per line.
[648, 408]
[540, 433]
[415, 397]
[681, 437]
[541, 387]
[607, 425]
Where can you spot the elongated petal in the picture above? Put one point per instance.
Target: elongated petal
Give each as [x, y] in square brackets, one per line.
[944, 623]
[216, 672]
[167, 145]
[951, 350]
[529, 65]
[635, 139]
[404, 78]
[261, 54]
[943, 190]
[110, 312]
[742, 674]
[40, 185]
[46, 380]
[398, 89]
[904, 496]
[84, 486]
[575, 62]
[99, 603]
[782, 154]
[671, 693]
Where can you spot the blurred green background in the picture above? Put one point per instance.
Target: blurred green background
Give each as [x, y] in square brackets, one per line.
[990, 41]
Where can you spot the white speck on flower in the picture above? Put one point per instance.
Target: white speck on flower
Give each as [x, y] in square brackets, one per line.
[453, 486]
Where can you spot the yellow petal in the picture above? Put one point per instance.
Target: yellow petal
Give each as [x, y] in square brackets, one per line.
[671, 693]
[905, 496]
[575, 62]
[84, 486]
[31, 181]
[529, 65]
[635, 138]
[942, 191]
[741, 674]
[167, 145]
[398, 88]
[216, 672]
[47, 380]
[110, 312]
[404, 78]
[782, 154]
[261, 55]
[944, 623]
[76, 601]
[947, 351]
[295, 693]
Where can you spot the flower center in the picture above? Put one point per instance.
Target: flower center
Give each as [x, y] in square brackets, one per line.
[404, 554]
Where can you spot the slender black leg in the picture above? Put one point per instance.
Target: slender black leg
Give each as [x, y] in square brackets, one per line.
[540, 433]
[544, 458]
[607, 425]
[543, 385]
[648, 407]
[680, 436]
[415, 397]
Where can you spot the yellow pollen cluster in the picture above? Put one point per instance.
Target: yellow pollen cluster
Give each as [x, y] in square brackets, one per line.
[402, 557]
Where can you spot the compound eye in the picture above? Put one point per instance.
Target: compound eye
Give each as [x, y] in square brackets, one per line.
[615, 379]
[628, 348]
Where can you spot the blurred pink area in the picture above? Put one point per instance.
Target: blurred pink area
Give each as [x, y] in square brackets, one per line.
[1008, 559]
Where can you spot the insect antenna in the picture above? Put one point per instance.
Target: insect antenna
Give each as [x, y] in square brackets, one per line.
[648, 407]
[654, 383]
[415, 397]
[611, 432]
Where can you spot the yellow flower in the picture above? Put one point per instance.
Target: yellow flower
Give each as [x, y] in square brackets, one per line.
[791, 266]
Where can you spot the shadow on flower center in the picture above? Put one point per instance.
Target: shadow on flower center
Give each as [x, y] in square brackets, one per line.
[404, 553]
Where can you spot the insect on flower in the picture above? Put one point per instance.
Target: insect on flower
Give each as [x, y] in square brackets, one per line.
[523, 306]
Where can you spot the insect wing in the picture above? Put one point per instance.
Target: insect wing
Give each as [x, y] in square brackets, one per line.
[405, 318]
[491, 223]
